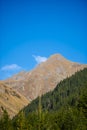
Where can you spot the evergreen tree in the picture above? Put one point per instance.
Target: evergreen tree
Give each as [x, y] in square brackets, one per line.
[19, 122]
[82, 104]
[5, 122]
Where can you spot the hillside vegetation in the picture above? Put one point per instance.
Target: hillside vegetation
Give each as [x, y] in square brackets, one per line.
[65, 108]
[66, 93]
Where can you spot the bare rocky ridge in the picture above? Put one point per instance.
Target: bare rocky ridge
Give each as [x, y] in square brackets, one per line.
[44, 77]
[11, 100]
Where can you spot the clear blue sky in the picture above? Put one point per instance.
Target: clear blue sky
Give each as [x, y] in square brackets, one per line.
[41, 28]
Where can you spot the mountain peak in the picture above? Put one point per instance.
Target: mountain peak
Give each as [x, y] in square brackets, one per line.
[56, 56]
[45, 76]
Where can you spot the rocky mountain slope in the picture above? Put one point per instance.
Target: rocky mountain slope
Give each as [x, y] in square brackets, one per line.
[44, 77]
[11, 100]
[66, 94]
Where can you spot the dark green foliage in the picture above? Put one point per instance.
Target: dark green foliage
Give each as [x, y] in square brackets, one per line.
[5, 121]
[19, 122]
[65, 108]
[82, 103]
[67, 92]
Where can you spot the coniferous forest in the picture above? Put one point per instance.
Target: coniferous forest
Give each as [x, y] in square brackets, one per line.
[64, 108]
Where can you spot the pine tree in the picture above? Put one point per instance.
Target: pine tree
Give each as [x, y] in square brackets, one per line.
[5, 122]
[19, 123]
[39, 113]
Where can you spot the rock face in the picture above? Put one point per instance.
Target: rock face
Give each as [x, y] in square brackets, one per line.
[44, 77]
[11, 100]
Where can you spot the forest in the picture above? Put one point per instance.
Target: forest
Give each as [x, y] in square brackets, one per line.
[64, 108]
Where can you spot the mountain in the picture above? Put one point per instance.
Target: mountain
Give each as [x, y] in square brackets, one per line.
[11, 100]
[64, 108]
[44, 77]
[66, 93]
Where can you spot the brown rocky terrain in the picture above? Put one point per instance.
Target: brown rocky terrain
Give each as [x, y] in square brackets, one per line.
[44, 77]
[11, 100]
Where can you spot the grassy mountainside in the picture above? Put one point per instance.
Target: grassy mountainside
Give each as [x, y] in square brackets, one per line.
[65, 108]
[11, 100]
[44, 77]
[67, 92]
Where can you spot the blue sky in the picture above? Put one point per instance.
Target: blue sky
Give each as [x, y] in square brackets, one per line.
[31, 28]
